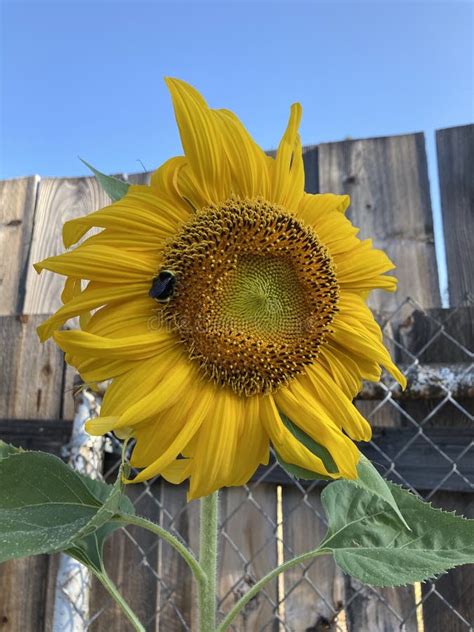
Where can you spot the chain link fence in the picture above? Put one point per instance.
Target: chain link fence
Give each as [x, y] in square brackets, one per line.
[424, 444]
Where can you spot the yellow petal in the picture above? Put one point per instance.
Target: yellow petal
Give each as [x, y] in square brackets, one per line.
[216, 450]
[306, 412]
[72, 288]
[140, 211]
[248, 164]
[194, 421]
[315, 208]
[101, 263]
[91, 298]
[94, 370]
[138, 316]
[355, 330]
[287, 446]
[200, 140]
[178, 471]
[362, 268]
[165, 182]
[335, 403]
[288, 168]
[100, 425]
[128, 348]
[172, 384]
[346, 370]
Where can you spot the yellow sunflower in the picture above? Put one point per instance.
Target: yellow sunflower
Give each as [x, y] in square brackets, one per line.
[222, 301]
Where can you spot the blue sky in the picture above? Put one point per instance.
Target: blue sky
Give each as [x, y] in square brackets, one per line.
[86, 78]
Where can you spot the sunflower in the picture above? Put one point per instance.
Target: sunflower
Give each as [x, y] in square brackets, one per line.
[228, 307]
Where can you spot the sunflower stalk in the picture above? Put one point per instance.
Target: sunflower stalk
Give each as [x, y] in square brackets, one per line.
[209, 511]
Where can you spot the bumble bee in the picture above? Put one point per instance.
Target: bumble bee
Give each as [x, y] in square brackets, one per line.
[162, 288]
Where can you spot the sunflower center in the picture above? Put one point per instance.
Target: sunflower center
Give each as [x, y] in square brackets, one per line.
[262, 298]
[255, 294]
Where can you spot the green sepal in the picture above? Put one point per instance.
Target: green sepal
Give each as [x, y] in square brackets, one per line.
[116, 189]
[368, 542]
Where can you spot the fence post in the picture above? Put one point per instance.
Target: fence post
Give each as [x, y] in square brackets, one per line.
[73, 580]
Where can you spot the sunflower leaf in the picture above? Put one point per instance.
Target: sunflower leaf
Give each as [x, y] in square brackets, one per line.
[369, 543]
[7, 449]
[45, 506]
[116, 189]
[373, 482]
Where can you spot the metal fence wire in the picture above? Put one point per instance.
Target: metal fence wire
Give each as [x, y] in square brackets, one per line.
[261, 512]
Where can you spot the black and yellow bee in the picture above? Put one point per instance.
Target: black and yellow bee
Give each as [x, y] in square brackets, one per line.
[162, 288]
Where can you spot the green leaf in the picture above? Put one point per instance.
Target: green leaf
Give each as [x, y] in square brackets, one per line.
[7, 449]
[373, 482]
[369, 543]
[45, 506]
[315, 448]
[116, 189]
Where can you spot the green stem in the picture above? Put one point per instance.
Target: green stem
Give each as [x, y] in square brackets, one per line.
[114, 593]
[165, 535]
[208, 562]
[256, 588]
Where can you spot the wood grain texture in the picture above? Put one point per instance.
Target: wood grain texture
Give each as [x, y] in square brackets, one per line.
[17, 205]
[453, 606]
[449, 601]
[138, 178]
[24, 594]
[314, 592]
[59, 199]
[31, 373]
[455, 148]
[383, 609]
[248, 552]
[387, 179]
[177, 595]
[131, 559]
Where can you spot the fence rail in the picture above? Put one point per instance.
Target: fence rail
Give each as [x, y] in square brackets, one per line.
[424, 440]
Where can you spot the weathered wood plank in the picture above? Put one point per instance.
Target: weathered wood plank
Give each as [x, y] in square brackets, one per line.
[17, 205]
[453, 603]
[24, 594]
[31, 373]
[449, 601]
[249, 551]
[59, 199]
[387, 179]
[455, 148]
[177, 596]
[314, 593]
[47, 435]
[386, 609]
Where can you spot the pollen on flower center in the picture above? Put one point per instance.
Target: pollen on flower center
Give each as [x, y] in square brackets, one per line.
[255, 293]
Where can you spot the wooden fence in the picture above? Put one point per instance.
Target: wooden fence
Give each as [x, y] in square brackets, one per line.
[421, 443]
